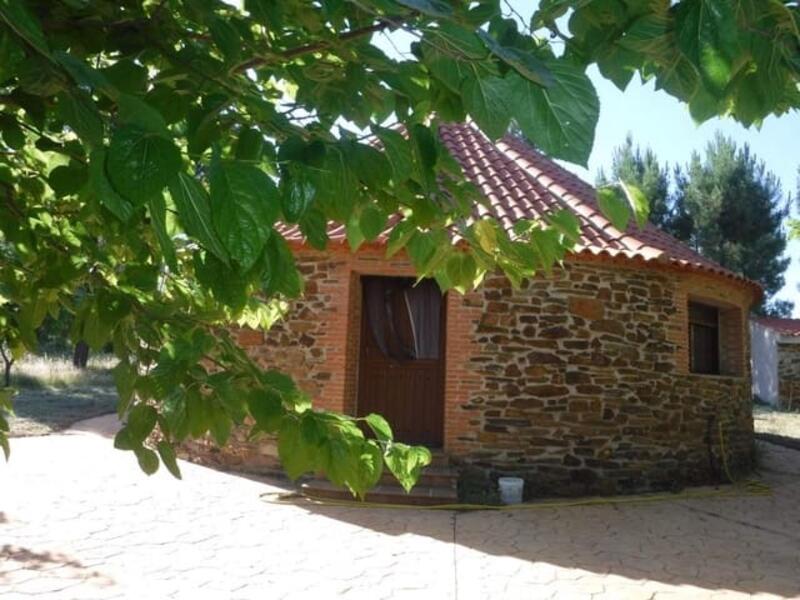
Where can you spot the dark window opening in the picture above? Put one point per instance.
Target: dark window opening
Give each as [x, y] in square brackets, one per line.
[703, 339]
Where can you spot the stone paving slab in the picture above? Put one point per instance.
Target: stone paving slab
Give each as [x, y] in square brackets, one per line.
[79, 521]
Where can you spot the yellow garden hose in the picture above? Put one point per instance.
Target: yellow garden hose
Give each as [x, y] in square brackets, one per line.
[750, 487]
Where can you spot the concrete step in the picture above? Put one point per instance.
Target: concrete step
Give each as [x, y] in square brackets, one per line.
[439, 459]
[444, 477]
[421, 495]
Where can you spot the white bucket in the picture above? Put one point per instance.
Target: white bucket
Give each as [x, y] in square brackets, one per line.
[511, 489]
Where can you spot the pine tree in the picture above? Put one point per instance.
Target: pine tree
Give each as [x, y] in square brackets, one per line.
[731, 209]
[631, 163]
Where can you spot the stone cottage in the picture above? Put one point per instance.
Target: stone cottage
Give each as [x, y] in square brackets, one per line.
[776, 361]
[610, 376]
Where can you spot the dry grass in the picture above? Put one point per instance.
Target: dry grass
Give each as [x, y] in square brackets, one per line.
[57, 372]
[53, 394]
[776, 422]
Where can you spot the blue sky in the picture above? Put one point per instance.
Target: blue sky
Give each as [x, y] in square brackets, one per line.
[661, 122]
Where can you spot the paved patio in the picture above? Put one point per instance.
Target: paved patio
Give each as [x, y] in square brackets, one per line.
[79, 521]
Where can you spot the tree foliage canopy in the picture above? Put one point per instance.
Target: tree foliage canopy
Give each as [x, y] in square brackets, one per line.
[732, 210]
[153, 152]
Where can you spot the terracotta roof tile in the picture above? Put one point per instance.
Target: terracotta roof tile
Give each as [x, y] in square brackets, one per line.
[789, 327]
[521, 182]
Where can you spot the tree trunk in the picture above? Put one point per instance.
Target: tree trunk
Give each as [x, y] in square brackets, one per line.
[81, 355]
[8, 361]
[7, 374]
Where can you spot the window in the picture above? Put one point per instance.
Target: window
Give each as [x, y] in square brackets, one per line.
[703, 339]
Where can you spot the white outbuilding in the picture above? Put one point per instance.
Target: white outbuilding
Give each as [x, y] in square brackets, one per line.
[775, 360]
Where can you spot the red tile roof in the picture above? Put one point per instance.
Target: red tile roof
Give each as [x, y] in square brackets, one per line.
[520, 182]
[783, 326]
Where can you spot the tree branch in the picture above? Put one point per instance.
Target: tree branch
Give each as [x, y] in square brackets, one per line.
[385, 23]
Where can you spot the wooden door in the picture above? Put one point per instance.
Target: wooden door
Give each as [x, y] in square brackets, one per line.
[394, 380]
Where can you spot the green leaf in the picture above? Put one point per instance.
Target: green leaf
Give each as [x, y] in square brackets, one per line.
[119, 206]
[167, 454]
[249, 144]
[17, 16]
[78, 110]
[406, 463]
[613, 206]
[194, 211]
[314, 226]
[559, 120]
[398, 152]
[267, 410]
[369, 165]
[526, 64]
[244, 205]
[148, 460]
[281, 275]
[125, 377]
[399, 236]
[126, 76]
[567, 224]
[296, 453]
[372, 221]
[486, 100]
[5, 446]
[637, 201]
[133, 111]
[141, 421]
[13, 135]
[297, 193]
[158, 219]
[353, 232]
[486, 235]
[708, 34]
[84, 75]
[380, 427]
[220, 425]
[368, 467]
[337, 185]
[546, 247]
[432, 8]
[11, 55]
[226, 38]
[461, 271]
[140, 163]
[122, 440]
[425, 153]
[279, 382]
[66, 180]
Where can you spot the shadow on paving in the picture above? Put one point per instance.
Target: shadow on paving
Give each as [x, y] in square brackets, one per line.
[744, 544]
[45, 561]
[43, 411]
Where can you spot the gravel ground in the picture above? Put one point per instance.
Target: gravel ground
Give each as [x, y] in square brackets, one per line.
[776, 422]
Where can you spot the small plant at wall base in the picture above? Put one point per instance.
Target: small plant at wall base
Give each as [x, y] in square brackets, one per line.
[154, 152]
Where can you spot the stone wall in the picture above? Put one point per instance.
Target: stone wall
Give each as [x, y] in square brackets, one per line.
[583, 390]
[789, 373]
[578, 382]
